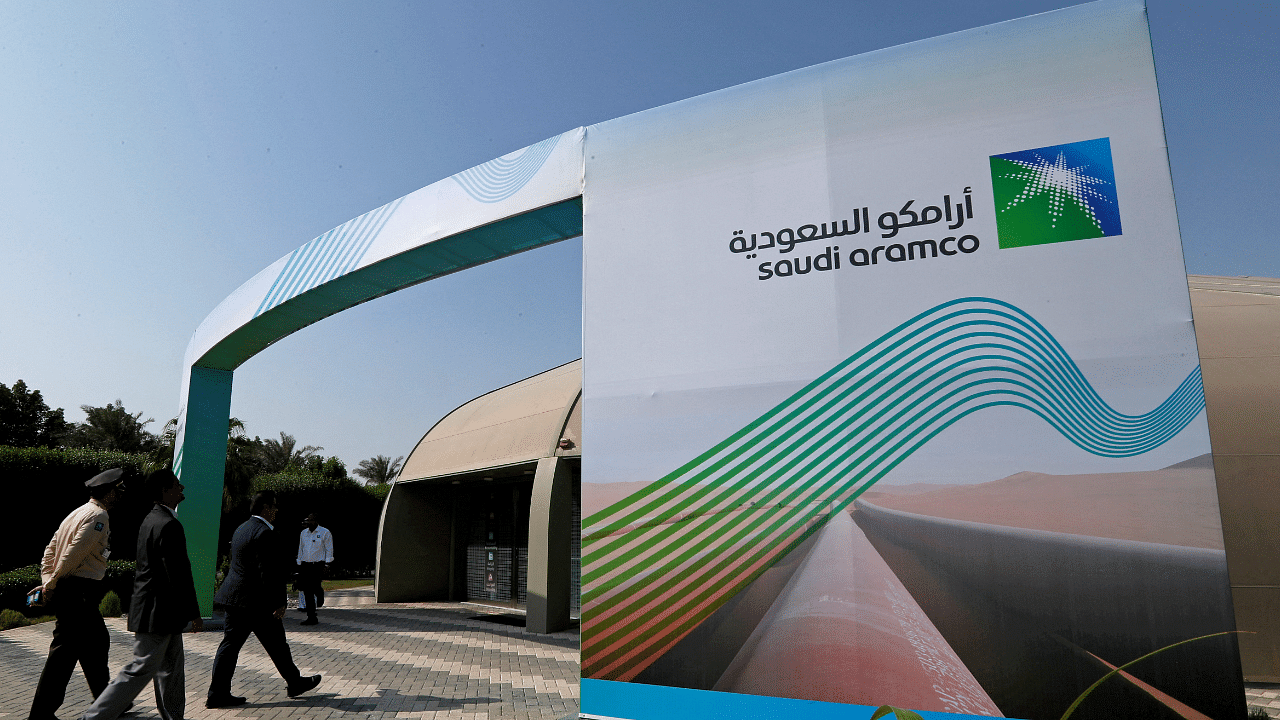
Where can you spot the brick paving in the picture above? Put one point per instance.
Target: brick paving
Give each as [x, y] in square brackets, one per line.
[1265, 696]
[433, 661]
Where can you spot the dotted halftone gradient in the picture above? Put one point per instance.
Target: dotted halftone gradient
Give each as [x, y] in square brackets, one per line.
[1055, 194]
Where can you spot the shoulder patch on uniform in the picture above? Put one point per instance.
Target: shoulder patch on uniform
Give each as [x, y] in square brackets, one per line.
[97, 526]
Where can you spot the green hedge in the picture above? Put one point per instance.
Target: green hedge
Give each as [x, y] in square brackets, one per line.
[348, 509]
[45, 484]
[16, 583]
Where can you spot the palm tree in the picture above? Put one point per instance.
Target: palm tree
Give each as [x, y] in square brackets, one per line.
[379, 470]
[242, 464]
[284, 453]
[113, 428]
[161, 456]
[239, 470]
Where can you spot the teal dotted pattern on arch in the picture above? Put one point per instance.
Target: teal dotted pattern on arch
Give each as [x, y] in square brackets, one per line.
[331, 255]
[503, 177]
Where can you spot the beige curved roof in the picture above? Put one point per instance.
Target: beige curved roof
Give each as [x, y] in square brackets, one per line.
[519, 423]
[1238, 331]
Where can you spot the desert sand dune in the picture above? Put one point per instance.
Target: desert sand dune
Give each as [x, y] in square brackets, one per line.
[1177, 505]
[598, 496]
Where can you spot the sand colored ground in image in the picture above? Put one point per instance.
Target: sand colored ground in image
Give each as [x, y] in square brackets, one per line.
[1177, 505]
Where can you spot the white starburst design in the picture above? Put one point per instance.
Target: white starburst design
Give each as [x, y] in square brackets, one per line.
[1060, 183]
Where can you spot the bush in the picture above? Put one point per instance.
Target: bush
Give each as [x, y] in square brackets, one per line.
[47, 484]
[12, 619]
[348, 509]
[15, 584]
[379, 492]
[110, 605]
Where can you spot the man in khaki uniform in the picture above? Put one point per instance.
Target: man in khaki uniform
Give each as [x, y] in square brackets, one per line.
[71, 574]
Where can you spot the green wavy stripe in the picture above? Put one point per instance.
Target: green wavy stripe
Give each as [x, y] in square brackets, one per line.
[822, 447]
[1063, 419]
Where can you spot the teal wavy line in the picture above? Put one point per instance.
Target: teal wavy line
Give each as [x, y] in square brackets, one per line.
[329, 256]
[501, 178]
[833, 439]
[1053, 361]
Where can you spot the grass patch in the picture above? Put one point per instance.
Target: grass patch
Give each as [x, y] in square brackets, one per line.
[345, 584]
[13, 619]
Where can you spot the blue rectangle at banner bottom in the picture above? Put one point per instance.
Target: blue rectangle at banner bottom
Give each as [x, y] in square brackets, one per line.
[612, 700]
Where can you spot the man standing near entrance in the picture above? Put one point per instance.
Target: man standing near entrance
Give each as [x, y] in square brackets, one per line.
[254, 596]
[315, 554]
[164, 601]
[71, 574]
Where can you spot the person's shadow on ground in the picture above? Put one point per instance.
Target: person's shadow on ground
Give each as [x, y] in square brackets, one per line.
[387, 697]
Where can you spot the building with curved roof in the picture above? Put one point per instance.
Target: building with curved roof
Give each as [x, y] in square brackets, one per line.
[486, 507]
[1238, 333]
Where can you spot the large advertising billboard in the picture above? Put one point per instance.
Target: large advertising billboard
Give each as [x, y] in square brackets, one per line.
[892, 393]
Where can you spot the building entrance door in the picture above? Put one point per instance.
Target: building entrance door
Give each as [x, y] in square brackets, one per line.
[497, 560]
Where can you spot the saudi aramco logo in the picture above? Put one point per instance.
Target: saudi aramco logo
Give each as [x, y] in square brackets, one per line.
[1055, 194]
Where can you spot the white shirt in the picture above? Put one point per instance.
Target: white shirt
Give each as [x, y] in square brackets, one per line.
[315, 546]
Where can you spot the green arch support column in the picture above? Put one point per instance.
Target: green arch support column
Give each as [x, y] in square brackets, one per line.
[515, 203]
[204, 454]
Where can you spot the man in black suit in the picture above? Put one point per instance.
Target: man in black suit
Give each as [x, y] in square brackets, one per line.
[254, 596]
[164, 602]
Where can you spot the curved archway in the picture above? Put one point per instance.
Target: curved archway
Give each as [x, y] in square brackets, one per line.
[520, 201]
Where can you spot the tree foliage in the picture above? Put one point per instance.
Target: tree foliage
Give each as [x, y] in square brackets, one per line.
[48, 459]
[25, 419]
[351, 511]
[113, 428]
[283, 454]
[379, 470]
[248, 459]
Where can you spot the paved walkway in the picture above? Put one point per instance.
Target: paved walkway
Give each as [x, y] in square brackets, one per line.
[1265, 696]
[434, 661]
[413, 660]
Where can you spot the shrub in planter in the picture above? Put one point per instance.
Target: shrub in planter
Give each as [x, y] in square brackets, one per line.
[120, 581]
[110, 605]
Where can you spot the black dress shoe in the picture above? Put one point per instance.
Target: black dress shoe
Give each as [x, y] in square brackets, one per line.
[223, 701]
[310, 621]
[304, 684]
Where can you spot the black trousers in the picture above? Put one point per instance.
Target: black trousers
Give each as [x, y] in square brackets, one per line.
[310, 575]
[79, 636]
[240, 622]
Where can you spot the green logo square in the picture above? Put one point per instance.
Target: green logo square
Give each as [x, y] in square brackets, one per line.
[1055, 194]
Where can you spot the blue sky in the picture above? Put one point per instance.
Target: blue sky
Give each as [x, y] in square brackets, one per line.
[154, 156]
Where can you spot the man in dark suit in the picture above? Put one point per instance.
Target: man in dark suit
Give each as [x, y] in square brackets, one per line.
[164, 602]
[254, 596]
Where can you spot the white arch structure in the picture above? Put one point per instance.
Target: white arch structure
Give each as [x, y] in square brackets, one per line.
[517, 202]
